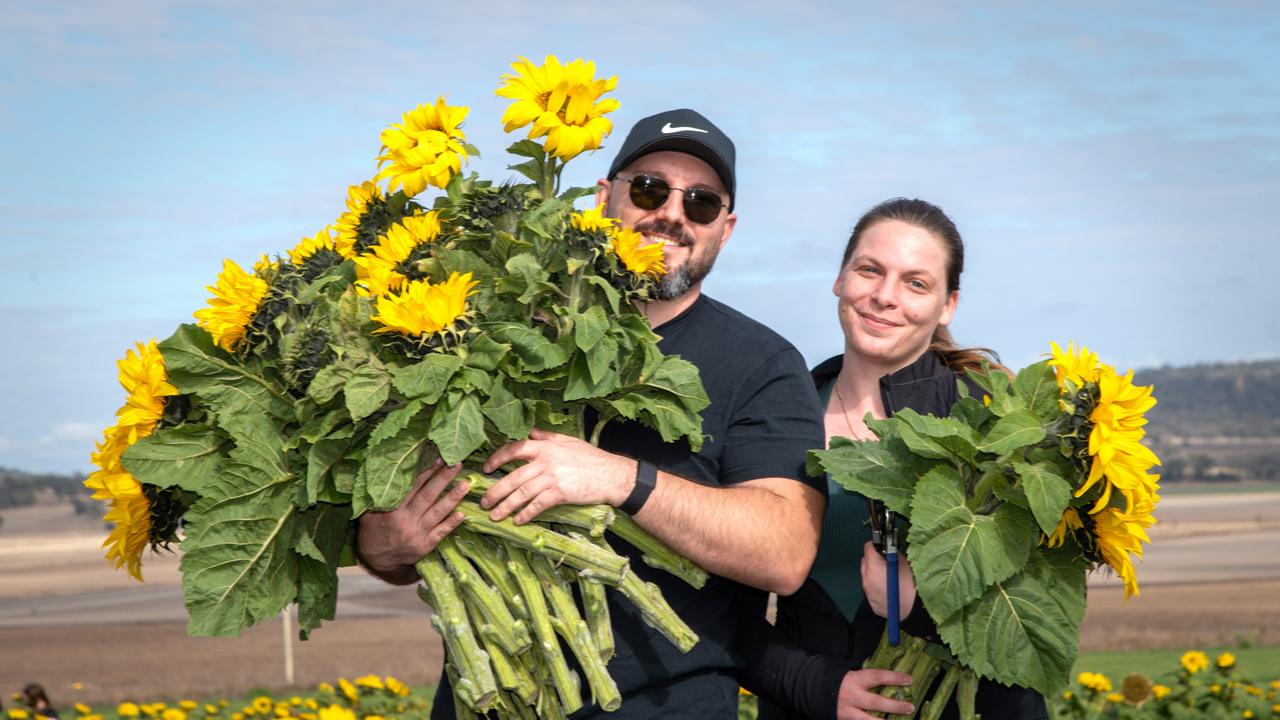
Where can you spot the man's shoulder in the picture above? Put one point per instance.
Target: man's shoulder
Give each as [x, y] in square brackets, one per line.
[733, 325]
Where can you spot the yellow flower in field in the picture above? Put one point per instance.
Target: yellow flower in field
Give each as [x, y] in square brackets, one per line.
[1070, 521]
[77, 685]
[425, 148]
[347, 689]
[1160, 691]
[282, 711]
[360, 199]
[82, 709]
[1078, 367]
[295, 701]
[173, 714]
[1246, 714]
[423, 308]
[1120, 536]
[92, 716]
[311, 704]
[18, 714]
[1136, 688]
[325, 687]
[593, 220]
[1096, 682]
[236, 298]
[127, 710]
[1067, 694]
[1115, 698]
[336, 712]
[396, 687]
[639, 257]
[560, 101]
[1275, 709]
[224, 703]
[1193, 661]
[188, 705]
[381, 270]
[263, 704]
[210, 709]
[1215, 688]
[1226, 660]
[370, 681]
[237, 716]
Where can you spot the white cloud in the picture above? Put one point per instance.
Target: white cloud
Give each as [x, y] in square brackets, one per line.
[70, 431]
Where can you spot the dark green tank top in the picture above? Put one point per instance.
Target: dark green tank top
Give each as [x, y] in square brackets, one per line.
[845, 529]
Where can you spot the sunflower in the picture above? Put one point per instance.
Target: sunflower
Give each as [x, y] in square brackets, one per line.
[364, 203]
[236, 297]
[422, 308]
[639, 257]
[1120, 536]
[425, 149]
[561, 102]
[143, 377]
[1226, 661]
[1078, 367]
[1096, 682]
[1193, 661]
[593, 220]
[1136, 688]
[1070, 521]
[1115, 440]
[383, 268]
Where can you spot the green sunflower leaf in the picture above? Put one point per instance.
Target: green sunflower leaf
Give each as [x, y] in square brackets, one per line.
[1024, 630]
[884, 470]
[1014, 430]
[457, 428]
[321, 534]
[531, 348]
[367, 390]
[1047, 492]
[512, 416]
[195, 365]
[186, 456]
[589, 327]
[390, 467]
[428, 379]
[956, 554]
[1038, 386]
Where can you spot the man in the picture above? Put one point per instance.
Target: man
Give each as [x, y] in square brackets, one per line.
[742, 507]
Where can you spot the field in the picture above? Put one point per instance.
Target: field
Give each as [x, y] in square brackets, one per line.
[1211, 579]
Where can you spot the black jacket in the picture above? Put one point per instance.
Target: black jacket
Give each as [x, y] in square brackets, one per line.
[796, 666]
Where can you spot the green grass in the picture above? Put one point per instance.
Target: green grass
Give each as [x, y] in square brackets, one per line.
[1255, 663]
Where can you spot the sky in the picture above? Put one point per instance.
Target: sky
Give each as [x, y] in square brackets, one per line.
[1114, 168]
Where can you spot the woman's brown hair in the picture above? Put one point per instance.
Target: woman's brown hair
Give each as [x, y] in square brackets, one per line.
[932, 219]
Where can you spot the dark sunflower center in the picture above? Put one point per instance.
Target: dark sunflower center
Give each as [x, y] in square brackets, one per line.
[377, 217]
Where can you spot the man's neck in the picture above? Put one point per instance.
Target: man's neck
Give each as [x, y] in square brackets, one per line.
[661, 311]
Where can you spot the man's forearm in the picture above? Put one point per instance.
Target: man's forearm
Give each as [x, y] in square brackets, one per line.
[763, 533]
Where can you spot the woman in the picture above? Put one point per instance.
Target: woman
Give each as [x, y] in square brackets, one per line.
[897, 291]
[38, 701]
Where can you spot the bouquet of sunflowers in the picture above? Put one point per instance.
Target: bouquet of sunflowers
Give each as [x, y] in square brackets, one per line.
[1011, 501]
[317, 386]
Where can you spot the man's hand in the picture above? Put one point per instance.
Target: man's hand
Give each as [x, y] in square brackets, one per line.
[873, 582]
[390, 543]
[858, 698]
[558, 470]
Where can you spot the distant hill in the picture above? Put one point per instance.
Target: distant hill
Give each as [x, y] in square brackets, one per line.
[1227, 399]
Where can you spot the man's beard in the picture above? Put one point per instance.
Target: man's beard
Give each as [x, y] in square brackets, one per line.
[677, 283]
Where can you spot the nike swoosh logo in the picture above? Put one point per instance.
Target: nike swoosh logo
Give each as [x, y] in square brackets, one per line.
[667, 129]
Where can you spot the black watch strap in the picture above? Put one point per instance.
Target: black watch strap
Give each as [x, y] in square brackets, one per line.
[646, 481]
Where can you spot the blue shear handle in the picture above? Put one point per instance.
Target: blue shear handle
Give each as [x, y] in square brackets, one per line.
[891, 589]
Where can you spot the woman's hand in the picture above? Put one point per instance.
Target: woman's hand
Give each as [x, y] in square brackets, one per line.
[874, 585]
[858, 698]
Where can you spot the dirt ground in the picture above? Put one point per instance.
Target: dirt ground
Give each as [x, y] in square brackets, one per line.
[67, 618]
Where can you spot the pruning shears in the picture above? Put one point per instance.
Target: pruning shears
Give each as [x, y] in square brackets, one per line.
[884, 535]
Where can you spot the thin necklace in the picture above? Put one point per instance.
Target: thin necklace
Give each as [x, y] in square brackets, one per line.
[840, 397]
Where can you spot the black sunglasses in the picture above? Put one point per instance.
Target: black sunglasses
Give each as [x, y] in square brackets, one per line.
[650, 193]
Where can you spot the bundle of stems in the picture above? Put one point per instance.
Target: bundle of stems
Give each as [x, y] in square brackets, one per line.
[504, 599]
[924, 662]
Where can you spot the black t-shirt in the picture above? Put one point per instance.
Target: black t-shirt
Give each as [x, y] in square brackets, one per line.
[763, 417]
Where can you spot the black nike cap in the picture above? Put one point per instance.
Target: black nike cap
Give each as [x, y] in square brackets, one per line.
[685, 131]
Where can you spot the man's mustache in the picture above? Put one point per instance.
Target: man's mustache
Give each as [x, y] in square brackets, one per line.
[674, 231]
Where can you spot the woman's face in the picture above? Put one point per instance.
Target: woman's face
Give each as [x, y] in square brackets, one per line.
[893, 293]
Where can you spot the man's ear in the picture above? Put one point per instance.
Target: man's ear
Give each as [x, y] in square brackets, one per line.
[602, 192]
